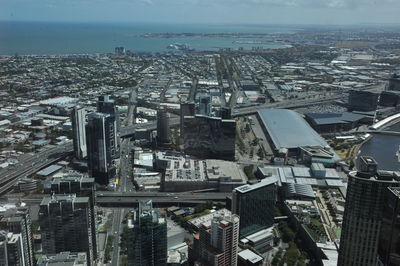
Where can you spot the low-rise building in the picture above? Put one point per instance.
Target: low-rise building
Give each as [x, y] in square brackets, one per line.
[185, 174]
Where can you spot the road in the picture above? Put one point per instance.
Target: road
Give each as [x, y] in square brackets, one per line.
[30, 164]
[125, 170]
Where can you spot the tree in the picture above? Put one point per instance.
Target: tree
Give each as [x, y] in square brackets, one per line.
[260, 153]
[248, 170]
[351, 165]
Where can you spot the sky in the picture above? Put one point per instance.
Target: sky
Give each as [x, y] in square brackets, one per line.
[333, 12]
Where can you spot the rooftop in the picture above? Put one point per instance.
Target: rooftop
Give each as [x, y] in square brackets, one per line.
[264, 182]
[288, 129]
[249, 255]
[49, 170]
[197, 222]
[334, 118]
[47, 199]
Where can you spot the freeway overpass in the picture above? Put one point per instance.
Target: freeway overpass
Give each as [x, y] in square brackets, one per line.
[131, 199]
[160, 199]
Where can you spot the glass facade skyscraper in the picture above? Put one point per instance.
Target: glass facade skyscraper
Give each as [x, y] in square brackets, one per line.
[147, 237]
[209, 137]
[255, 205]
[100, 138]
[65, 222]
[389, 239]
[367, 192]
[78, 119]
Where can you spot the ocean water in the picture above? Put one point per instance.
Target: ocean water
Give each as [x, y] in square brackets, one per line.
[88, 38]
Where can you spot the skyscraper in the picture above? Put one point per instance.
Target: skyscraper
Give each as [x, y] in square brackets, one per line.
[255, 205]
[187, 109]
[204, 105]
[147, 237]
[163, 126]
[100, 146]
[107, 106]
[12, 249]
[389, 239]
[65, 223]
[217, 242]
[209, 137]
[75, 183]
[17, 221]
[367, 191]
[78, 118]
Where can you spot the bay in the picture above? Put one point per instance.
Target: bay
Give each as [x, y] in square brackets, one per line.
[41, 38]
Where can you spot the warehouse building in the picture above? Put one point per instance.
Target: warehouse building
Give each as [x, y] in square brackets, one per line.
[286, 129]
[334, 122]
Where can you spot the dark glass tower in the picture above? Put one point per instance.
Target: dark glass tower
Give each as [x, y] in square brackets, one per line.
[107, 106]
[255, 205]
[209, 137]
[389, 240]
[100, 138]
[75, 183]
[163, 130]
[367, 191]
[65, 222]
[147, 237]
[18, 221]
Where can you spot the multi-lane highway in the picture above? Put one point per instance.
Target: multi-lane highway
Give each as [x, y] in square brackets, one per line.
[31, 163]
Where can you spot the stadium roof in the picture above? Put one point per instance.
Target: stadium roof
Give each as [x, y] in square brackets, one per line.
[288, 129]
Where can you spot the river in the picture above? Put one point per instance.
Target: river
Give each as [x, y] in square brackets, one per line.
[383, 148]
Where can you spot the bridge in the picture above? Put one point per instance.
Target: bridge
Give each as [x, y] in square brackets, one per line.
[159, 199]
[131, 199]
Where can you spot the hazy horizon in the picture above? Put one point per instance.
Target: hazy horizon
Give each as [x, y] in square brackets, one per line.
[252, 12]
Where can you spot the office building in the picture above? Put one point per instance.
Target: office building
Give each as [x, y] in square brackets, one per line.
[17, 221]
[100, 146]
[163, 132]
[78, 119]
[75, 183]
[389, 239]
[12, 249]
[107, 106]
[204, 105]
[209, 137]
[367, 191]
[255, 205]
[394, 83]
[65, 222]
[187, 109]
[147, 237]
[216, 243]
[364, 101]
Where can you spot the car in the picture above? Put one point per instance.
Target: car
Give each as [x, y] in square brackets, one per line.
[175, 197]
